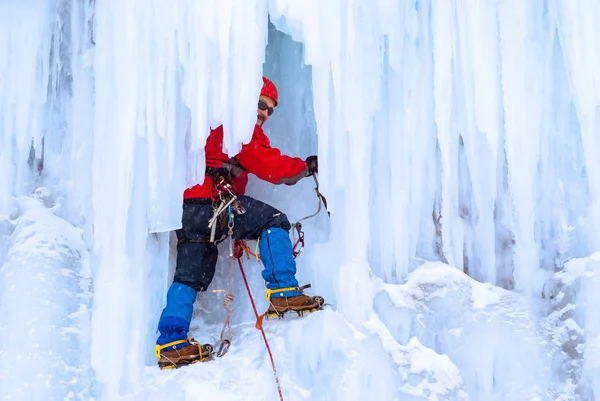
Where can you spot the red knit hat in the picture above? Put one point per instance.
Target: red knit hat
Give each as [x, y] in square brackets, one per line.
[270, 90]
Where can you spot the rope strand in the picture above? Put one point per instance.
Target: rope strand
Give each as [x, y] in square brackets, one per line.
[228, 305]
[261, 329]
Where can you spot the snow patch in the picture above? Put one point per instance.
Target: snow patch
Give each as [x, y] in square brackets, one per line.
[490, 334]
[44, 304]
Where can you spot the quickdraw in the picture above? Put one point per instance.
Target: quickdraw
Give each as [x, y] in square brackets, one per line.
[226, 331]
[224, 199]
[298, 246]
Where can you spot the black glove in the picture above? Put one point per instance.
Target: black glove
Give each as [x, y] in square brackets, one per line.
[232, 169]
[229, 170]
[313, 165]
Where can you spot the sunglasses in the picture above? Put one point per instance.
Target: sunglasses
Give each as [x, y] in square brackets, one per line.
[263, 106]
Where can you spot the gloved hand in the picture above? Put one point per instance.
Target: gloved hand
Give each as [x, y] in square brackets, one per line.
[313, 165]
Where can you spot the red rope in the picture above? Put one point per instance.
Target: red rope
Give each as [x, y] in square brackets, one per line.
[260, 327]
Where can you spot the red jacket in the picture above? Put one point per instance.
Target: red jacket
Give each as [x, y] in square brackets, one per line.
[257, 157]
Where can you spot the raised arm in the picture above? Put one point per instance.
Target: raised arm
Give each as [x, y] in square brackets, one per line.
[267, 163]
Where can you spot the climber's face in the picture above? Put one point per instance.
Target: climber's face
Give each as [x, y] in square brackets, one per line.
[265, 109]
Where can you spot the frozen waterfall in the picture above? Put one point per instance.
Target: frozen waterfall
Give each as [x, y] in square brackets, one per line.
[459, 151]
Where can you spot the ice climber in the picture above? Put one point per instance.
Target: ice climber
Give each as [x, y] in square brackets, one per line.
[197, 254]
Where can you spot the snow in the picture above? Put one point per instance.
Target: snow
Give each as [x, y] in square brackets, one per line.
[458, 145]
[45, 325]
[491, 335]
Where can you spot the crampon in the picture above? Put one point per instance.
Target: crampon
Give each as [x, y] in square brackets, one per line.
[280, 314]
[299, 305]
[190, 354]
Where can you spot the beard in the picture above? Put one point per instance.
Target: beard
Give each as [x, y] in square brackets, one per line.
[259, 120]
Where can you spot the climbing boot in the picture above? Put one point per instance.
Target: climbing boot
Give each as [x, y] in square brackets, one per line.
[183, 352]
[299, 304]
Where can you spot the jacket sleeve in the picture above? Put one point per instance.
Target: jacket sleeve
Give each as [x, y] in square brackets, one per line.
[267, 163]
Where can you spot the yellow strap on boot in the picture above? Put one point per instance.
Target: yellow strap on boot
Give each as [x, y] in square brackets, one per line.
[269, 291]
[301, 289]
[159, 348]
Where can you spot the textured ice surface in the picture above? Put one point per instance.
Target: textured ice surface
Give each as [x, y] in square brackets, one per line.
[491, 335]
[463, 132]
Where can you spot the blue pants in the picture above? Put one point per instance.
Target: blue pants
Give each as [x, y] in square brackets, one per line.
[196, 260]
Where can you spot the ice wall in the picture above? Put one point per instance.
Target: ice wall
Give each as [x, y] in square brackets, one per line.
[24, 71]
[574, 294]
[475, 111]
[460, 131]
